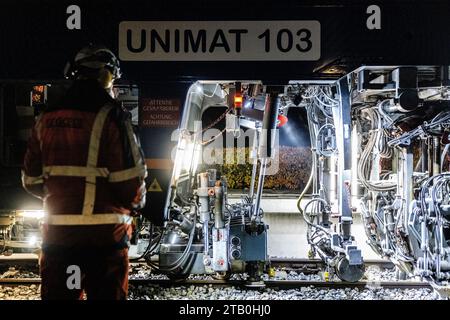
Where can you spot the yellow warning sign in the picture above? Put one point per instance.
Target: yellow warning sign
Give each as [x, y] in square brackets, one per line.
[154, 187]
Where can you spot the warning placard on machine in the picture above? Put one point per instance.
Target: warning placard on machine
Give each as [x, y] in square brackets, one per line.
[154, 186]
[159, 112]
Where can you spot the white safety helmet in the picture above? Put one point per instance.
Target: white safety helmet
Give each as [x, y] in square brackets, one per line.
[91, 59]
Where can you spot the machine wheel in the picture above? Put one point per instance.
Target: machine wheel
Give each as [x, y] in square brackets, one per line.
[175, 277]
[400, 275]
[223, 275]
[349, 273]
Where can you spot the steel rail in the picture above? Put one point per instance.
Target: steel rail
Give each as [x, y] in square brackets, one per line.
[274, 284]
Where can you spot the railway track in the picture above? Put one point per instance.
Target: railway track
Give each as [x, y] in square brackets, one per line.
[18, 267]
[286, 284]
[317, 264]
[274, 284]
[296, 263]
[272, 289]
[305, 266]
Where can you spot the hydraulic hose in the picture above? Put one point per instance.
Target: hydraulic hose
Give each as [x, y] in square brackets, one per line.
[308, 185]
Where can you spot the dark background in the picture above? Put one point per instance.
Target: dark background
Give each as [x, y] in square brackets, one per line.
[35, 43]
[35, 46]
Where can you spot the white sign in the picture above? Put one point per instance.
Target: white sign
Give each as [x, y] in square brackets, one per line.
[219, 40]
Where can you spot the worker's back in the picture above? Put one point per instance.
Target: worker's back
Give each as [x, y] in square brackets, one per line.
[77, 147]
[84, 160]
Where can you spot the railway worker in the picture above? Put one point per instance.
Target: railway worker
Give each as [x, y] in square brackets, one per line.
[84, 160]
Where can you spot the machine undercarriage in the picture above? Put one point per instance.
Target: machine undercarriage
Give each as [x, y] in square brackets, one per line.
[204, 232]
[402, 121]
[383, 133]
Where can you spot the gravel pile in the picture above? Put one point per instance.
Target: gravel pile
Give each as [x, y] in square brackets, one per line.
[19, 272]
[232, 293]
[306, 293]
[31, 292]
[374, 273]
[151, 292]
[143, 271]
[281, 274]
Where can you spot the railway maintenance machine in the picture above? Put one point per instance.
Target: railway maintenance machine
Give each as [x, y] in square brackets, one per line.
[204, 232]
[382, 136]
[380, 140]
[380, 145]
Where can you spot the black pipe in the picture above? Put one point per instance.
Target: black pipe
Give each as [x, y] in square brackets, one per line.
[424, 157]
[430, 156]
[270, 124]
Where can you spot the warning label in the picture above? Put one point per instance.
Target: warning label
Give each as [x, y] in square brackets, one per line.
[154, 186]
[159, 113]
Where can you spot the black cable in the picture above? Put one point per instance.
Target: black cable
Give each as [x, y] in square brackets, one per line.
[147, 249]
